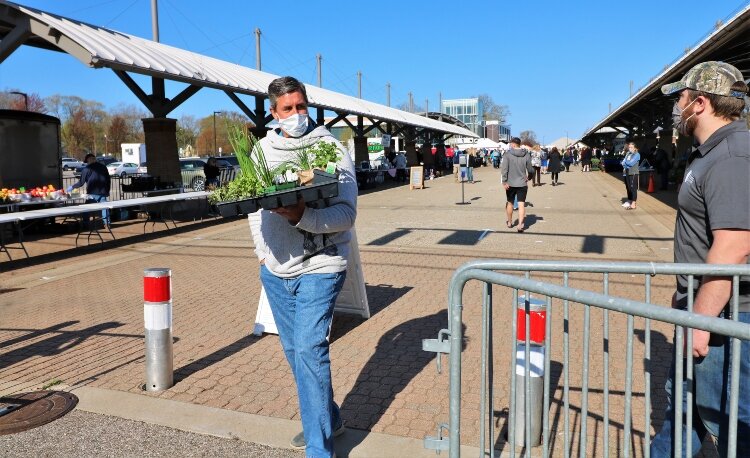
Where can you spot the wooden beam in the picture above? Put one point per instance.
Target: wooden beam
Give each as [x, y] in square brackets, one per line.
[134, 88]
[339, 117]
[241, 105]
[180, 98]
[14, 40]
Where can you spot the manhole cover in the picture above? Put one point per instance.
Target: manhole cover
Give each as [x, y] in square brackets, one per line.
[22, 411]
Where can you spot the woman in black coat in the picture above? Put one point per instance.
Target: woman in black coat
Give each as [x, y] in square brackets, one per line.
[555, 164]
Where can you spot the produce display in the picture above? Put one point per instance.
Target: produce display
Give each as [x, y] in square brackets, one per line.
[23, 194]
[259, 185]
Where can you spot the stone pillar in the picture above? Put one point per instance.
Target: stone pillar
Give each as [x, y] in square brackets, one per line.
[360, 150]
[410, 146]
[161, 149]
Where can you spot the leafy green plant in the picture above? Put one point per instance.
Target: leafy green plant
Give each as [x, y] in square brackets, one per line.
[316, 156]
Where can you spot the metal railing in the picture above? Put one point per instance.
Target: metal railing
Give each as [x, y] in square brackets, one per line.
[450, 341]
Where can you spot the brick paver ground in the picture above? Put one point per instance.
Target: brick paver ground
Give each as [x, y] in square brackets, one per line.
[75, 316]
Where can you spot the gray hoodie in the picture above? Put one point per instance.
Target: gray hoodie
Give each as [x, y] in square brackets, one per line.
[516, 167]
[319, 243]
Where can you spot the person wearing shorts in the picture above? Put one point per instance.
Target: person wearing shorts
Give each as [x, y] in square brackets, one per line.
[516, 168]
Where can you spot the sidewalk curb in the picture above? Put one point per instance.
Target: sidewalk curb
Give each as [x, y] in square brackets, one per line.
[228, 424]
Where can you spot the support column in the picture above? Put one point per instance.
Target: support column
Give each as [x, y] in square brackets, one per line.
[161, 149]
[260, 130]
[360, 150]
[410, 146]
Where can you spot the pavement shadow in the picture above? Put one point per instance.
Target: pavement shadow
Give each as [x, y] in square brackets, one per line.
[212, 358]
[658, 365]
[593, 244]
[96, 245]
[379, 297]
[397, 359]
[58, 343]
[531, 219]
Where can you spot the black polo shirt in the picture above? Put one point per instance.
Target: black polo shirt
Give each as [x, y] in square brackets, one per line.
[715, 194]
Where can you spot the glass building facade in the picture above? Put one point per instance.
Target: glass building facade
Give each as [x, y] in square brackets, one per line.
[468, 111]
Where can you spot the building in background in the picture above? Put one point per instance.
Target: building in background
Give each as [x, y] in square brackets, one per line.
[468, 111]
[496, 131]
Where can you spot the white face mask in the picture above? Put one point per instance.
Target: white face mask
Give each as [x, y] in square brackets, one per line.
[295, 125]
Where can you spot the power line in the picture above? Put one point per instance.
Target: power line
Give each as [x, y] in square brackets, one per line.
[121, 13]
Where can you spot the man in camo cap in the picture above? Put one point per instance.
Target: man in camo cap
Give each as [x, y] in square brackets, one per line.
[712, 227]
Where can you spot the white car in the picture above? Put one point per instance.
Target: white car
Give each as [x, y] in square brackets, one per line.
[125, 169]
[112, 167]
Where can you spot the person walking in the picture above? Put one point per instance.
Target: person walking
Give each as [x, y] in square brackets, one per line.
[516, 169]
[471, 161]
[536, 163]
[568, 159]
[713, 227]
[545, 161]
[630, 172]
[555, 165]
[303, 257]
[98, 182]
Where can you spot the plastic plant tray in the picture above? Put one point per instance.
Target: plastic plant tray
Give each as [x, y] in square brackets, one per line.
[238, 207]
[325, 187]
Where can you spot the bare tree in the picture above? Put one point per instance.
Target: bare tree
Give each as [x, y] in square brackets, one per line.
[187, 131]
[492, 111]
[204, 143]
[29, 102]
[529, 135]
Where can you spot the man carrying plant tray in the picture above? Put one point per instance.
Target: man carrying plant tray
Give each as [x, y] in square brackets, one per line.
[303, 254]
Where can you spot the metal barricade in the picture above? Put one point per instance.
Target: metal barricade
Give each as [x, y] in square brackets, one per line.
[450, 341]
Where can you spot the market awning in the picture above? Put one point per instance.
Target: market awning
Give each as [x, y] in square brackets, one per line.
[100, 47]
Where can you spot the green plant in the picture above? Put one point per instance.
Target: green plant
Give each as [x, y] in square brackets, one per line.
[315, 156]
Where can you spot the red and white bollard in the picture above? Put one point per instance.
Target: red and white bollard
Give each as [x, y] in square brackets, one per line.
[157, 316]
[537, 331]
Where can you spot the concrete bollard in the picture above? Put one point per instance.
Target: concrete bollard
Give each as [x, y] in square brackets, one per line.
[537, 320]
[157, 316]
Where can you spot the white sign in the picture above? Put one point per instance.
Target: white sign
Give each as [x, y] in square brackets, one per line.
[386, 141]
[352, 299]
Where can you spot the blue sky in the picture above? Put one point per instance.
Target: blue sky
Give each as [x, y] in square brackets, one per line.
[557, 65]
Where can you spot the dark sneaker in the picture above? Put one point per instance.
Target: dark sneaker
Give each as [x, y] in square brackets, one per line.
[298, 441]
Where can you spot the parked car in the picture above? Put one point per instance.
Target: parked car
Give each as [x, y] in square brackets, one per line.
[192, 173]
[125, 169]
[69, 163]
[112, 167]
[228, 161]
[106, 160]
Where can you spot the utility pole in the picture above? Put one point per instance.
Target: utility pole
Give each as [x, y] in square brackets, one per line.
[426, 106]
[440, 105]
[257, 49]
[319, 58]
[631, 88]
[388, 94]
[155, 20]
[320, 113]
[411, 103]
[359, 84]
[610, 107]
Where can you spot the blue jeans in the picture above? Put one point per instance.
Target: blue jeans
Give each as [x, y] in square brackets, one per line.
[470, 173]
[96, 198]
[302, 308]
[710, 401]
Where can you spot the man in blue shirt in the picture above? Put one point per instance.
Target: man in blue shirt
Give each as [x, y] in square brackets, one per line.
[96, 178]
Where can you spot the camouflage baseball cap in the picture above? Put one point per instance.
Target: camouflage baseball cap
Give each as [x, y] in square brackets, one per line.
[711, 77]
